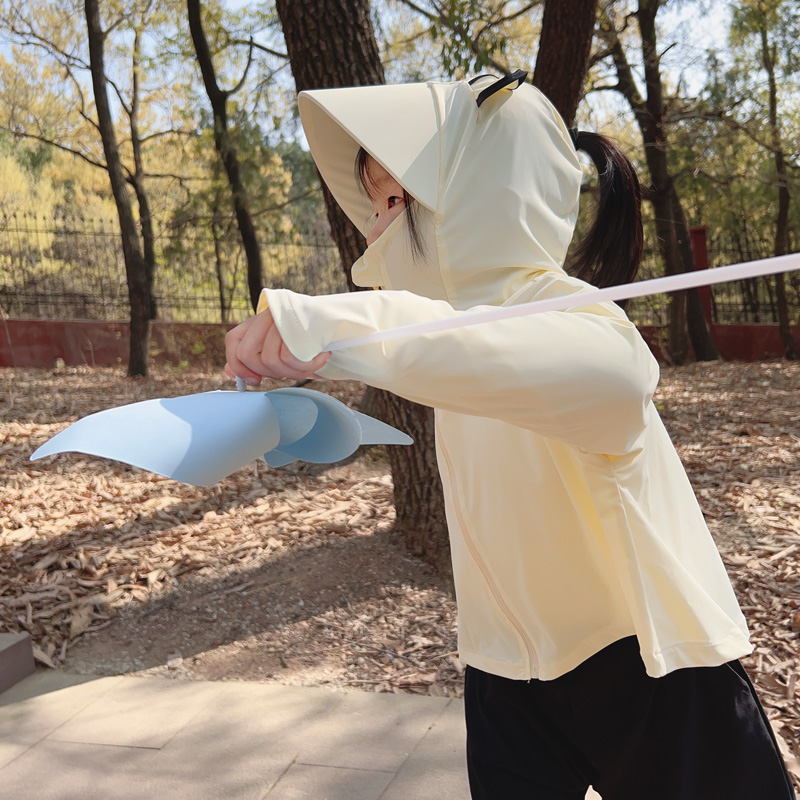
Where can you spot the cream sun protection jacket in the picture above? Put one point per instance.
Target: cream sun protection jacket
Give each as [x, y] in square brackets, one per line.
[572, 521]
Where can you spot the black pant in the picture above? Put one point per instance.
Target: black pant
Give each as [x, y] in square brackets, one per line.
[695, 734]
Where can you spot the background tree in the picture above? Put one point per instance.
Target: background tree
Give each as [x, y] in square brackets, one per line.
[730, 148]
[773, 25]
[650, 112]
[67, 121]
[223, 141]
[331, 43]
[136, 269]
[503, 36]
[473, 35]
[24, 190]
[209, 207]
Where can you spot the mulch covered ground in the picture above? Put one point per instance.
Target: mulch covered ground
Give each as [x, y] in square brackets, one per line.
[295, 575]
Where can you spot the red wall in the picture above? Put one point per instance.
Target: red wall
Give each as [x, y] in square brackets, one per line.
[38, 343]
[740, 342]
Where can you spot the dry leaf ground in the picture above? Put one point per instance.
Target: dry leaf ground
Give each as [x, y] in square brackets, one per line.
[295, 575]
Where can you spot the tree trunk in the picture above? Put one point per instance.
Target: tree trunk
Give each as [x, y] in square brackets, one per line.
[784, 199]
[330, 44]
[148, 241]
[687, 314]
[145, 217]
[784, 325]
[566, 39]
[135, 267]
[677, 350]
[349, 241]
[703, 344]
[227, 152]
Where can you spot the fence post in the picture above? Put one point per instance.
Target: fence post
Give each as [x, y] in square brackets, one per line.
[700, 252]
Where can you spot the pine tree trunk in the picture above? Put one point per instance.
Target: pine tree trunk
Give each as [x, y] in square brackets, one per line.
[566, 39]
[136, 271]
[330, 44]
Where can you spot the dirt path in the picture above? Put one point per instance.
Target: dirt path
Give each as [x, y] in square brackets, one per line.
[295, 575]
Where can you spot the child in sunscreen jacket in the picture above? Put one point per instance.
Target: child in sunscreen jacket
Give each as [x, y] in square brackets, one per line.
[577, 542]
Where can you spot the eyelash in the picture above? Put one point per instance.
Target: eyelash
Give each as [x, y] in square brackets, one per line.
[391, 204]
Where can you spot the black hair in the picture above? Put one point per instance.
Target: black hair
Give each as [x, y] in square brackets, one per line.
[611, 252]
[367, 183]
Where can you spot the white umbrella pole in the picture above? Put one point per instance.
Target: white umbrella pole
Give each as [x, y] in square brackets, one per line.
[626, 291]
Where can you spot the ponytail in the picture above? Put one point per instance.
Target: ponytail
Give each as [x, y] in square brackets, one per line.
[611, 252]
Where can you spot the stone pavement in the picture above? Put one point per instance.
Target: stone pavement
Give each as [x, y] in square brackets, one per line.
[77, 737]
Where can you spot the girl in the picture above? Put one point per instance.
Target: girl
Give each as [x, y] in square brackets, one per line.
[595, 616]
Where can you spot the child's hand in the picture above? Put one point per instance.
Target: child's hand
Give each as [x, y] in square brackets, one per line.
[255, 350]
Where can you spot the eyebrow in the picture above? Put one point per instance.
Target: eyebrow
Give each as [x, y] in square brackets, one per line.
[380, 183]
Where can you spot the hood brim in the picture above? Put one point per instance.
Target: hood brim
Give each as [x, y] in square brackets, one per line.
[402, 120]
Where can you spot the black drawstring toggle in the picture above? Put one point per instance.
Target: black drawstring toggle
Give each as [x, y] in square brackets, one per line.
[516, 78]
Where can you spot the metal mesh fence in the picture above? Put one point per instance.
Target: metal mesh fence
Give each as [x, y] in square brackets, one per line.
[749, 301]
[74, 269]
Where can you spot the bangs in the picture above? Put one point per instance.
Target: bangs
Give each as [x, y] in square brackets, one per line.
[364, 174]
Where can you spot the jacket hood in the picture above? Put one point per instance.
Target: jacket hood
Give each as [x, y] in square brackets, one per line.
[497, 184]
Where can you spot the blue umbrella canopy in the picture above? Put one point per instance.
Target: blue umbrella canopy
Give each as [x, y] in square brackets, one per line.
[202, 438]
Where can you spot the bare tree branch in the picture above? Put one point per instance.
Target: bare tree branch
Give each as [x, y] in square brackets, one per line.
[45, 140]
[30, 37]
[441, 19]
[263, 48]
[231, 218]
[174, 177]
[598, 56]
[611, 87]
[84, 116]
[168, 132]
[415, 36]
[246, 70]
[521, 11]
[499, 19]
[118, 92]
[626, 84]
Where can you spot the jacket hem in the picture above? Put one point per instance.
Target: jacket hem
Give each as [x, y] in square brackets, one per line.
[550, 670]
[680, 656]
[698, 654]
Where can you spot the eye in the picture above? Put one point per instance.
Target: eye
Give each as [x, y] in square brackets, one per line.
[394, 200]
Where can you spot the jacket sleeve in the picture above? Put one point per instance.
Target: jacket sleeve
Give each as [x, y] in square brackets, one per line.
[584, 376]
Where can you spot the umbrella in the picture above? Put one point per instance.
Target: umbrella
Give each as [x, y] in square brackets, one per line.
[202, 438]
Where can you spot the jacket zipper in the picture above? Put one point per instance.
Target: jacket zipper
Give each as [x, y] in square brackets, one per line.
[473, 550]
